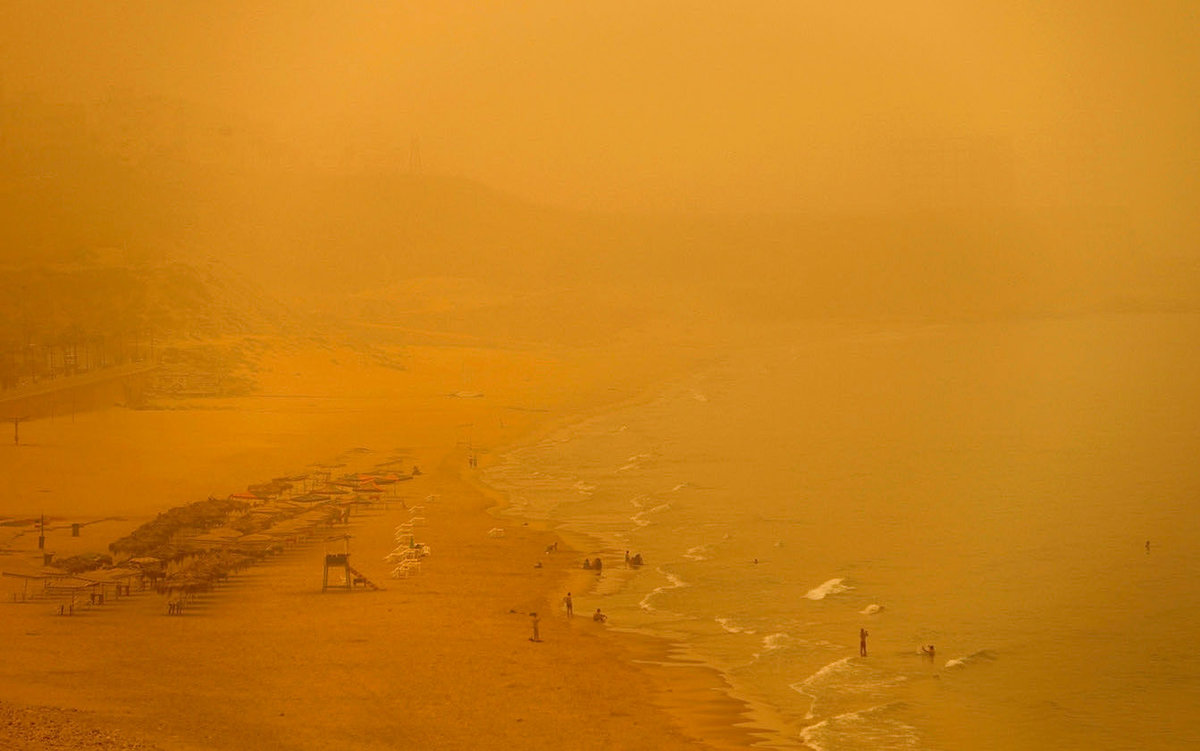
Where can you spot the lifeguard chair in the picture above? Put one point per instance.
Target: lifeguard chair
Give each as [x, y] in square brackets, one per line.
[336, 561]
[342, 561]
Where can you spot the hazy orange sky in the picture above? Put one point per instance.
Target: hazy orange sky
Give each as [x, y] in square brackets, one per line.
[630, 104]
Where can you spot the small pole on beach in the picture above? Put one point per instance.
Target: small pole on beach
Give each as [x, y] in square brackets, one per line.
[17, 429]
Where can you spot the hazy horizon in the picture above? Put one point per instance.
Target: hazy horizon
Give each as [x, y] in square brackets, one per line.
[766, 107]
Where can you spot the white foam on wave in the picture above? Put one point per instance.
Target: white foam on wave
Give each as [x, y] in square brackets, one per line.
[699, 396]
[808, 686]
[640, 517]
[831, 587]
[847, 677]
[774, 641]
[871, 609]
[634, 462]
[698, 553]
[586, 488]
[983, 655]
[731, 627]
[681, 486]
[673, 582]
[864, 728]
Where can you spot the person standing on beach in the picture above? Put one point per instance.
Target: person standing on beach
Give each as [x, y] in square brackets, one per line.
[862, 642]
[536, 621]
[570, 605]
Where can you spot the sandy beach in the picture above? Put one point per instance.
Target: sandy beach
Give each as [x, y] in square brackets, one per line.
[442, 658]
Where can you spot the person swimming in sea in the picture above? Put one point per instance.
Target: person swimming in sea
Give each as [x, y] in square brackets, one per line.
[928, 651]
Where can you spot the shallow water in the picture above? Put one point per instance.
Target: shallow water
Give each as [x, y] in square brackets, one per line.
[984, 487]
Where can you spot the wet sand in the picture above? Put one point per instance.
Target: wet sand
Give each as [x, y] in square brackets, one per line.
[442, 659]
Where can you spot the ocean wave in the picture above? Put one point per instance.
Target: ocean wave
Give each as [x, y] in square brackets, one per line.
[774, 641]
[587, 488]
[983, 655]
[831, 587]
[699, 396]
[849, 676]
[871, 609]
[634, 462]
[729, 626]
[640, 517]
[698, 553]
[681, 486]
[864, 728]
[673, 582]
[809, 685]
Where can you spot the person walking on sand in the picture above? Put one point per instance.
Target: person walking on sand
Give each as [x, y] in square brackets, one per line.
[862, 642]
[570, 605]
[534, 617]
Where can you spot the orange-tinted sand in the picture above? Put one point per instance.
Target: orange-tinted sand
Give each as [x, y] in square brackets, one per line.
[438, 660]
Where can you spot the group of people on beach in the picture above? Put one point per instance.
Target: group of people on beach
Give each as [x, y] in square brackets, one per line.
[632, 561]
[569, 605]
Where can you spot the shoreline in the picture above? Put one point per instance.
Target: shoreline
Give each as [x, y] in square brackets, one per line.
[733, 717]
[466, 610]
[702, 703]
[705, 704]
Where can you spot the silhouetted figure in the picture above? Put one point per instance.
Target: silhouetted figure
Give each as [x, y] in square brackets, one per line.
[862, 642]
[569, 604]
[534, 617]
[928, 651]
[598, 565]
[599, 617]
[587, 563]
[1147, 546]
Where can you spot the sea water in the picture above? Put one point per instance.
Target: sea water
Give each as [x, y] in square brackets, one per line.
[986, 487]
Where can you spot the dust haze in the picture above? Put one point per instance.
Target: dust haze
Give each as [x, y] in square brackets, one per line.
[239, 239]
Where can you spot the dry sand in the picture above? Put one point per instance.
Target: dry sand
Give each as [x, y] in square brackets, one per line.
[439, 660]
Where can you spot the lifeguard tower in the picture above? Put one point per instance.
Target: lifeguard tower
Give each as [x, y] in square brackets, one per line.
[335, 561]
